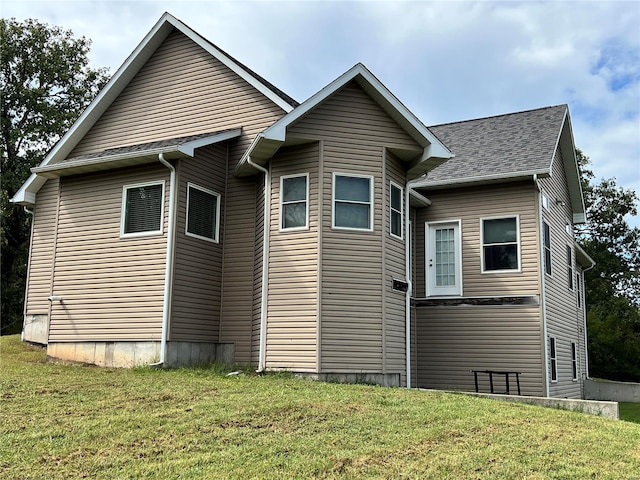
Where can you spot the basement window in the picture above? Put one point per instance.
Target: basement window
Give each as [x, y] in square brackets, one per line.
[142, 209]
[203, 213]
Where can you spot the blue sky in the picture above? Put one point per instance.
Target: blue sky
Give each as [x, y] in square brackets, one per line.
[446, 61]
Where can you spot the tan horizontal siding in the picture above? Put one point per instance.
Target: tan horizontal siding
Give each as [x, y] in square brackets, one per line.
[112, 287]
[564, 319]
[197, 280]
[351, 114]
[181, 90]
[42, 248]
[452, 341]
[293, 270]
[470, 205]
[256, 313]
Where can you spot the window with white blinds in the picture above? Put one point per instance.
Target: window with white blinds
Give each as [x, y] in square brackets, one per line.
[142, 209]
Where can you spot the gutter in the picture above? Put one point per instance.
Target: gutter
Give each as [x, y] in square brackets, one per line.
[265, 263]
[168, 272]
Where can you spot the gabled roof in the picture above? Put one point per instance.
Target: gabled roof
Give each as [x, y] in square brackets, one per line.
[271, 139]
[173, 148]
[127, 71]
[506, 148]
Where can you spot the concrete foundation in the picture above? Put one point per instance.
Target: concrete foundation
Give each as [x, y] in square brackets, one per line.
[602, 409]
[35, 329]
[132, 354]
[612, 391]
[383, 379]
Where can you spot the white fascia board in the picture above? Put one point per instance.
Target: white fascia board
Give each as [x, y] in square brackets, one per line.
[583, 257]
[189, 148]
[224, 59]
[566, 144]
[419, 198]
[103, 100]
[483, 178]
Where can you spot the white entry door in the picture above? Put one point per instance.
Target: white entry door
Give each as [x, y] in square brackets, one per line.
[443, 259]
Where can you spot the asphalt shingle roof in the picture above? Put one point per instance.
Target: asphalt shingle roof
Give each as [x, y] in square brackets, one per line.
[509, 145]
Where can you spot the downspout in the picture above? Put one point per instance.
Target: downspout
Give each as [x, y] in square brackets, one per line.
[168, 271]
[265, 263]
[543, 286]
[407, 273]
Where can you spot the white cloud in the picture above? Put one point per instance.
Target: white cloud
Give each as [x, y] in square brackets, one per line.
[446, 61]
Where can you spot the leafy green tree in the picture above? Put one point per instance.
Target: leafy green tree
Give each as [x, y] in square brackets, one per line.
[613, 286]
[46, 82]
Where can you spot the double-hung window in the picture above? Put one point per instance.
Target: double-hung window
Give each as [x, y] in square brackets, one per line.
[500, 244]
[294, 202]
[553, 356]
[570, 267]
[203, 213]
[574, 361]
[352, 201]
[395, 210]
[546, 234]
[142, 209]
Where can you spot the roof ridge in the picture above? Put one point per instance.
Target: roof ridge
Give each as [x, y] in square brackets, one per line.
[500, 115]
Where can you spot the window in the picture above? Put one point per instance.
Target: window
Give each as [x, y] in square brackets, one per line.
[574, 361]
[142, 209]
[570, 267]
[579, 290]
[352, 201]
[500, 244]
[546, 234]
[554, 359]
[444, 259]
[203, 213]
[395, 210]
[545, 201]
[294, 202]
[568, 228]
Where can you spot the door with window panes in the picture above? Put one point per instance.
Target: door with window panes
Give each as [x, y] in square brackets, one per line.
[443, 262]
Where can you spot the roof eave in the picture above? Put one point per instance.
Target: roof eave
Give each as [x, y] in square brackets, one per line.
[483, 180]
[268, 142]
[583, 258]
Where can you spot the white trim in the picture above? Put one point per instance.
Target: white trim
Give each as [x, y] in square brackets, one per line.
[482, 178]
[370, 203]
[123, 210]
[431, 290]
[281, 202]
[392, 185]
[545, 201]
[518, 244]
[216, 238]
[553, 358]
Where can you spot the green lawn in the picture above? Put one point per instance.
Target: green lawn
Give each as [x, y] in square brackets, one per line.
[629, 412]
[60, 421]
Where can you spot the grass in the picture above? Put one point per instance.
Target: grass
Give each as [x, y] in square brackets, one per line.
[629, 412]
[70, 421]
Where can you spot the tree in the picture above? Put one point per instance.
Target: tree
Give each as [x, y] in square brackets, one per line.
[46, 82]
[613, 286]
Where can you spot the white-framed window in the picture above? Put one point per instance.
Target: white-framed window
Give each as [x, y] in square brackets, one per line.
[395, 210]
[500, 243]
[553, 356]
[294, 202]
[203, 213]
[545, 201]
[142, 209]
[574, 361]
[444, 258]
[546, 240]
[570, 267]
[352, 202]
[579, 289]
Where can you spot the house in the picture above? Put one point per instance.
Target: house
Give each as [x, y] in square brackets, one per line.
[195, 212]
